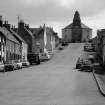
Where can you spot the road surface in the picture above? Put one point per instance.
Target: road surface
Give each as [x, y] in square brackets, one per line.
[55, 82]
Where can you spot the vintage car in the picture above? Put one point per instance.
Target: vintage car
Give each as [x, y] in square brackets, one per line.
[64, 43]
[25, 63]
[88, 47]
[33, 58]
[8, 66]
[2, 67]
[79, 63]
[17, 64]
[60, 48]
[44, 56]
[91, 57]
[87, 66]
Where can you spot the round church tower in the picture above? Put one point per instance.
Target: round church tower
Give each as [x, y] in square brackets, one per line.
[76, 28]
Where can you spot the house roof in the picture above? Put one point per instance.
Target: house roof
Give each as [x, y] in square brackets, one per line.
[29, 32]
[36, 31]
[8, 35]
[82, 26]
[17, 36]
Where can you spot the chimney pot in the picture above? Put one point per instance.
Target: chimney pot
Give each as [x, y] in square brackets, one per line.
[1, 21]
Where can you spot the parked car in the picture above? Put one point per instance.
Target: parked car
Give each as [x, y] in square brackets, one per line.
[79, 63]
[91, 57]
[17, 64]
[44, 57]
[14, 63]
[64, 43]
[2, 67]
[97, 66]
[87, 66]
[33, 58]
[60, 47]
[88, 47]
[8, 66]
[25, 63]
[50, 53]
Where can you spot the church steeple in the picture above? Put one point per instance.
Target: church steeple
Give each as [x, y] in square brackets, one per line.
[76, 19]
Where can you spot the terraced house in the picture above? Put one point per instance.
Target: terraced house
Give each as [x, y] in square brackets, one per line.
[11, 45]
[24, 31]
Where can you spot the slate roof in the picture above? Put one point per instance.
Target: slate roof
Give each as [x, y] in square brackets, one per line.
[82, 26]
[36, 31]
[28, 31]
[8, 35]
[17, 36]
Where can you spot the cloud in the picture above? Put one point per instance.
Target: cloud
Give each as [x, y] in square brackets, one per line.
[48, 11]
[52, 9]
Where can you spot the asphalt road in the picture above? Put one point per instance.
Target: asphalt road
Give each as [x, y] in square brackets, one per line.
[55, 82]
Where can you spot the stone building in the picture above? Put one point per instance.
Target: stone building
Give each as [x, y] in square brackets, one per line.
[101, 44]
[26, 34]
[76, 31]
[24, 47]
[103, 50]
[9, 45]
[45, 37]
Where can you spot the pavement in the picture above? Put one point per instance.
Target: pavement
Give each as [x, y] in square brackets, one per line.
[55, 82]
[99, 76]
[100, 81]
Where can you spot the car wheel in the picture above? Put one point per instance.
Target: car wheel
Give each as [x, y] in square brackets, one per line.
[76, 67]
[4, 69]
[38, 62]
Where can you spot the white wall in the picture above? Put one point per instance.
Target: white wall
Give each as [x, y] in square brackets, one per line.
[24, 51]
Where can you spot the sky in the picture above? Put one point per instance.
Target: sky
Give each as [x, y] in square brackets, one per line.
[54, 13]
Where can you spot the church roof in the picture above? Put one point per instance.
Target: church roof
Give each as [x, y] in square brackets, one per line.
[82, 26]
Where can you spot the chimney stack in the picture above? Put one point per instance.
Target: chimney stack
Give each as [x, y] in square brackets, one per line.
[21, 24]
[1, 21]
[8, 26]
[27, 26]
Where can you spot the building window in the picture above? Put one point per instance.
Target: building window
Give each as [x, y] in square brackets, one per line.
[3, 48]
[0, 46]
[0, 57]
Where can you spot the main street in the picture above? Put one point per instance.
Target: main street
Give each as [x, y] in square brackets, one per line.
[55, 82]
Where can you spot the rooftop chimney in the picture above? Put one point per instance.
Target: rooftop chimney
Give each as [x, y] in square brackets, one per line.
[1, 21]
[21, 24]
[8, 26]
[27, 26]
